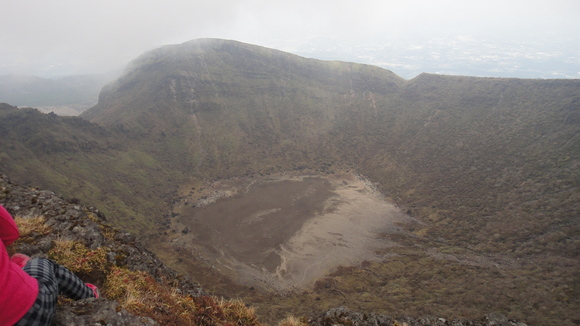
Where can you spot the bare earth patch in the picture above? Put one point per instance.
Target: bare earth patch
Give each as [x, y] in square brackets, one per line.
[282, 232]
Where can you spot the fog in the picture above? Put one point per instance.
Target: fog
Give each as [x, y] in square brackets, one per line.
[515, 38]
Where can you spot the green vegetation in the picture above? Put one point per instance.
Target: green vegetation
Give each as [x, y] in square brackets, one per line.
[140, 294]
[490, 165]
[412, 282]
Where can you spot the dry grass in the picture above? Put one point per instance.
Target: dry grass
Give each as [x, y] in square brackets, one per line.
[237, 312]
[140, 294]
[31, 226]
[292, 321]
[78, 258]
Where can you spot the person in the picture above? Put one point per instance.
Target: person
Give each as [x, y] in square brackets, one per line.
[29, 288]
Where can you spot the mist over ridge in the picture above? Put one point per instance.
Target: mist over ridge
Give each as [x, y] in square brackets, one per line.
[535, 39]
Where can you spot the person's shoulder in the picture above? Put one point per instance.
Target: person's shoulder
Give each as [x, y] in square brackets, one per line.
[8, 229]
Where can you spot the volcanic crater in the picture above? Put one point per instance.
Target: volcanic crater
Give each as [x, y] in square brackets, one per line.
[281, 232]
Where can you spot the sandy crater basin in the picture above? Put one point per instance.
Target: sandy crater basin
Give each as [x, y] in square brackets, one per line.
[282, 232]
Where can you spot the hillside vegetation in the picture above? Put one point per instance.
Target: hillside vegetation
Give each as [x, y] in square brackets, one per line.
[491, 166]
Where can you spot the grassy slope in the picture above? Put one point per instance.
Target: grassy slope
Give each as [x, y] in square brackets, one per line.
[82, 160]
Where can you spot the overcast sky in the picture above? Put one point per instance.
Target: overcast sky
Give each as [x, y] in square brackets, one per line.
[57, 37]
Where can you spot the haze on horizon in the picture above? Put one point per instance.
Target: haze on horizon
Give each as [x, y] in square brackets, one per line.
[513, 38]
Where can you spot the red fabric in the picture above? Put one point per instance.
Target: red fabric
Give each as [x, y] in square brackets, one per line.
[18, 290]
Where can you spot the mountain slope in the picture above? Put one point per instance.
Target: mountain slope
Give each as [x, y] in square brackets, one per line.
[233, 105]
[88, 162]
[233, 108]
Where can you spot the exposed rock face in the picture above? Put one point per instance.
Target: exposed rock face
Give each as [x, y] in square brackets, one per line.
[70, 220]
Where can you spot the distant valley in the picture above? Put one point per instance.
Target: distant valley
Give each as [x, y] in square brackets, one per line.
[483, 173]
[67, 96]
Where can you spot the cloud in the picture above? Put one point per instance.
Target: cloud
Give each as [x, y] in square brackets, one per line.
[96, 34]
[66, 36]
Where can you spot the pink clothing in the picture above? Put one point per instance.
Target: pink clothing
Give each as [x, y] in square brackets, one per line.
[18, 290]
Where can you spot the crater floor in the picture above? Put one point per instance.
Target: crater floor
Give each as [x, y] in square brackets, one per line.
[282, 232]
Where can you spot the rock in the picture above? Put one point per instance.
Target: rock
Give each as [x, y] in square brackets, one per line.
[97, 312]
[495, 319]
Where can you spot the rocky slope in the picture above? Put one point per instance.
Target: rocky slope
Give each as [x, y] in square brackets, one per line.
[67, 221]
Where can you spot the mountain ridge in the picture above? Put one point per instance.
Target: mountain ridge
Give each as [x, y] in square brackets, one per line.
[174, 62]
